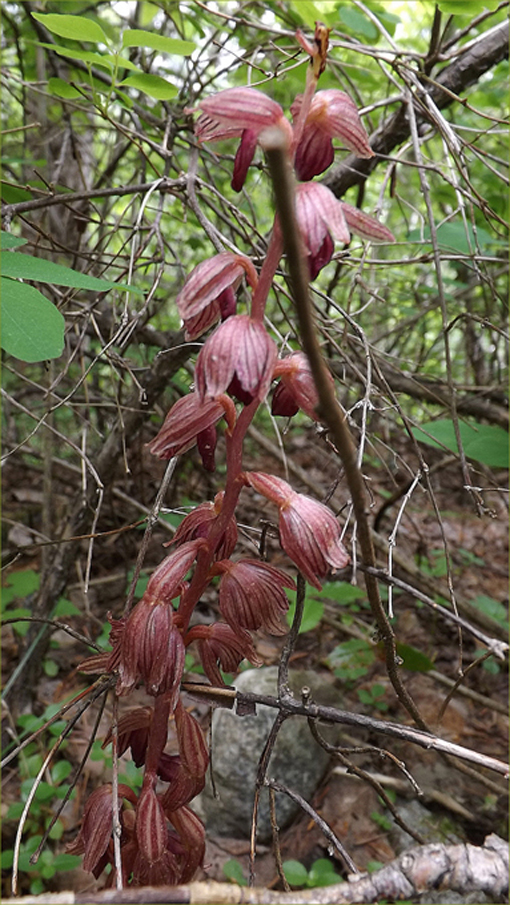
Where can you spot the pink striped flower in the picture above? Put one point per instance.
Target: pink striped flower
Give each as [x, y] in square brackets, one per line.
[332, 115]
[321, 221]
[296, 389]
[309, 532]
[209, 292]
[220, 646]
[239, 113]
[242, 348]
[186, 420]
[252, 595]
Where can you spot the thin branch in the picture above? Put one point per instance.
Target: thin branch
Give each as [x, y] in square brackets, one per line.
[331, 412]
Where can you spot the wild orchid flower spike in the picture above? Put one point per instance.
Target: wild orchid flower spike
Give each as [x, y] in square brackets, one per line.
[239, 113]
[309, 532]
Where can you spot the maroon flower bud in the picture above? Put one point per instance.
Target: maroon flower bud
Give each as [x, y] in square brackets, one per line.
[251, 595]
[296, 388]
[199, 523]
[183, 788]
[152, 648]
[151, 826]
[321, 220]
[219, 645]
[284, 402]
[242, 347]
[191, 832]
[133, 732]
[192, 747]
[96, 830]
[186, 419]
[209, 291]
[309, 532]
[332, 115]
[239, 112]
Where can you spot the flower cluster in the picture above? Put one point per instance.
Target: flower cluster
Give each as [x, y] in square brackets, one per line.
[161, 839]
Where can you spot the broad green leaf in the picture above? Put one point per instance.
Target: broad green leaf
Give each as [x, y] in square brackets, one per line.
[66, 862]
[78, 28]
[63, 89]
[492, 608]
[153, 85]
[61, 771]
[7, 240]
[413, 659]
[453, 237]
[135, 37]
[27, 267]
[233, 871]
[486, 443]
[20, 584]
[32, 328]
[466, 7]
[358, 23]
[295, 873]
[341, 592]
[313, 612]
[86, 56]
[11, 194]
[322, 873]
[310, 12]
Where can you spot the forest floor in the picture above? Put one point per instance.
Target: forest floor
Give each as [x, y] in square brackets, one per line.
[459, 802]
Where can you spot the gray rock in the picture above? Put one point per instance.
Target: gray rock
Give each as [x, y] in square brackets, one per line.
[237, 743]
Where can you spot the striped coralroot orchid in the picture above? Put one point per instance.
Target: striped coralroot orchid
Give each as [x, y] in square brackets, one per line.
[296, 389]
[309, 532]
[209, 292]
[252, 595]
[240, 347]
[190, 416]
[332, 114]
[240, 113]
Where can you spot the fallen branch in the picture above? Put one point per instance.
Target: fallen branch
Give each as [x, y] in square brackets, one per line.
[462, 869]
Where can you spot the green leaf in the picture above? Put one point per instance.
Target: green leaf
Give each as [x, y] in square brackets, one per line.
[20, 584]
[7, 240]
[66, 862]
[341, 592]
[153, 85]
[313, 612]
[135, 37]
[295, 873]
[322, 873]
[86, 56]
[492, 608]
[63, 89]
[7, 858]
[78, 28]
[32, 328]
[486, 443]
[455, 237]
[11, 194]
[466, 7]
[61, 771]
[65, 607]
[233, 871]
[27, 267]
[358, 23]
[310, 13]
[413, 659]
[50, 668]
